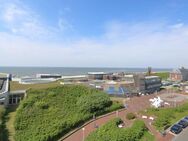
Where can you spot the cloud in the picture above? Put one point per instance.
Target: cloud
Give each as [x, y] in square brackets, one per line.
[12, 12]
[64, 25]
[20, 19]
[134, 45]
[178, 25]
[122, 44]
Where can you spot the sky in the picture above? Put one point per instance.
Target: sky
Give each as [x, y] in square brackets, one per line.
[94, 33]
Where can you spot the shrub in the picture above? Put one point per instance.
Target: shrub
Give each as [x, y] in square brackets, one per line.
[41, 104]
[2, 112]
[130, 116]
[50, 113]
[110, 132]
[93, 103]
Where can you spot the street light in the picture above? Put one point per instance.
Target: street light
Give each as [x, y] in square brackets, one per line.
[117, 113]
[94, 124]
[124, 102]
[83, 129]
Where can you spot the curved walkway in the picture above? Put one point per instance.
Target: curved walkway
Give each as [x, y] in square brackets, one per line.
[135, 105]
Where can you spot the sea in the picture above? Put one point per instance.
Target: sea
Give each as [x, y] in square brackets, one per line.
[67, 71]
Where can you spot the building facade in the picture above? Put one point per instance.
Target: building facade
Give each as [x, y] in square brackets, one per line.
[48, 76]
[15, 97]
[175, 76]
[152, 84]
[98, 76]
[180, 75]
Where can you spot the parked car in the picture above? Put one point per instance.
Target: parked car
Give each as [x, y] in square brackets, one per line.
[186, 118]
[166, 83]
[183, 123]
[176, 85]
[176, 129]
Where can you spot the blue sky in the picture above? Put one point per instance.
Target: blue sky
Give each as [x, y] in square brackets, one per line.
[94, 33]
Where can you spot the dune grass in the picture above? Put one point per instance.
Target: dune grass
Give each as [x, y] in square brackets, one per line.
[16, 86]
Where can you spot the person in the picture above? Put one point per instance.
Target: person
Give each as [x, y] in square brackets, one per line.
[126, 106]
[96, 126]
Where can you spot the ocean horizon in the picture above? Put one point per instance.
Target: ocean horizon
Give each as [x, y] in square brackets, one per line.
[32, 71]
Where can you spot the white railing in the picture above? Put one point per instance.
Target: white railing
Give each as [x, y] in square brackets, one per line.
[6, 86]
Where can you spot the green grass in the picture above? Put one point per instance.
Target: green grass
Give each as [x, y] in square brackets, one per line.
[147, 137]
[3, 132]
[168, 116]
[2, 111]
[16, 86]
[48, 114]
[163, 75]
[11, 113]
[111, 132]
[7, 129]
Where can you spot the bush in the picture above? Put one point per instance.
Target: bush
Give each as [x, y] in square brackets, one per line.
[94, 103]
[2, 112]
[41, 104]
[46, 115]
[111, 132]
[162, 122]
[130, 116]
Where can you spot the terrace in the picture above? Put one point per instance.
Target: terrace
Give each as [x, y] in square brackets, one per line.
[3, 86]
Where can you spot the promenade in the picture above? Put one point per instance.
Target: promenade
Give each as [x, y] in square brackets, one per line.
[135, 105]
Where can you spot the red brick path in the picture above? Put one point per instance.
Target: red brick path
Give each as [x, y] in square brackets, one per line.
[135, 105]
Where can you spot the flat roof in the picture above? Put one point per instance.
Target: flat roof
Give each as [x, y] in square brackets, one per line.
[111, 82]
[118, 82]
[75, 76]
[4, 75]
[4, 87]
[149, 77]
[18, 92]
[45, 74]
[128, 75]
[93, 73]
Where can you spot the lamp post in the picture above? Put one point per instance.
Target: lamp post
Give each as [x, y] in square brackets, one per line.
[83, 131]
[117, 113]
[174, 103]
[94, 124]
[124, 102]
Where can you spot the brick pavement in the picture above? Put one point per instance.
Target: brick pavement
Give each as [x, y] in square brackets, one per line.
[135, 105]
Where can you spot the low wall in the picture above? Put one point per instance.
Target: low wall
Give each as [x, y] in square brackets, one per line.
[77, 129]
